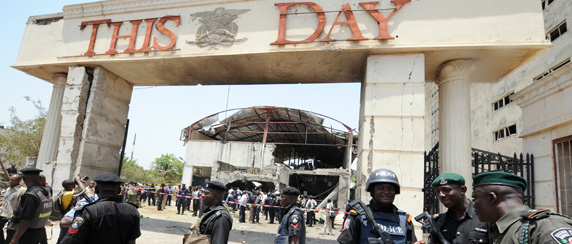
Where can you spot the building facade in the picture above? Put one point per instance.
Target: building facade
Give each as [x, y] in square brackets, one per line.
[527, 111]
[95, 53]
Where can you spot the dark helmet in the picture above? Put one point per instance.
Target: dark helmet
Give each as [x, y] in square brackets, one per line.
[382, 176]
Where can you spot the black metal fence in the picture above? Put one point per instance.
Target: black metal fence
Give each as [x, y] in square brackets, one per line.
[430, 201]
[483, 161]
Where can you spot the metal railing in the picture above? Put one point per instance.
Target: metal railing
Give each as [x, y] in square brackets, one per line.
[482, 161]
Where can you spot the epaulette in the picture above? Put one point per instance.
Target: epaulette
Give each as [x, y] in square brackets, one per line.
[535, 214]
[353, 212]
[409, 218]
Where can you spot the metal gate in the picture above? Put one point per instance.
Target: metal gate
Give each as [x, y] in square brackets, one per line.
[482, 161]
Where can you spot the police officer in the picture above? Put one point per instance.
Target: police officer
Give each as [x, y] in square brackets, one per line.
[498, 199]
[459, 224]
[215, 222]
[292, 229]
[383, 186]
[107, 220]
[31, 215]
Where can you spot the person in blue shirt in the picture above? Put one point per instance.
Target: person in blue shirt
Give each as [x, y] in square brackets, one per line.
[383, 186]
[169, 192]
[181, 198]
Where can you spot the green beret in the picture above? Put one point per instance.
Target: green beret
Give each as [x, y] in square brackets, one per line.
[448, 179]
[499, 178]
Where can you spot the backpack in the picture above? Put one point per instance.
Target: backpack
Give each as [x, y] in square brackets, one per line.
[58, 211]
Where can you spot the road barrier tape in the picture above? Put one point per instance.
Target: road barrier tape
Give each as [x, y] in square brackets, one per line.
[237, 203]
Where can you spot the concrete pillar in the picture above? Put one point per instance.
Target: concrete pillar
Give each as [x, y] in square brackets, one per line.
[94, 114]
[104, 126]
[392, 126]
[51, 136]
[74, 103]
[455, 118]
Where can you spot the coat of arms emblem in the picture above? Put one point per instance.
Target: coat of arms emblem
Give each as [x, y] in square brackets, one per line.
[218, 27]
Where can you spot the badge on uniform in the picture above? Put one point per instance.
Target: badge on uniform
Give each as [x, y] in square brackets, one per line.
[562, 235]
[294, 221]
[346, 224]
[77, 222]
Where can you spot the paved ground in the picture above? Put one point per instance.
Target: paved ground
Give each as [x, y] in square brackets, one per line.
[167, 227]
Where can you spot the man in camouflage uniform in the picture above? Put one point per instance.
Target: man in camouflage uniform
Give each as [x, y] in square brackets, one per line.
[498, 198]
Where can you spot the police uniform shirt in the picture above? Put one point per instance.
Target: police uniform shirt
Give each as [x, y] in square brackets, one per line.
[468, 229]
[351, 230]
[544, 228]
[108, 220]
[27, 206]
[219, 229]
[295, 223]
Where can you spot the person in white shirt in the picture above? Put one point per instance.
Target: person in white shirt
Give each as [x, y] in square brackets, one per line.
[311, 205]
[10, 202]
[243, 200]
[329, 218]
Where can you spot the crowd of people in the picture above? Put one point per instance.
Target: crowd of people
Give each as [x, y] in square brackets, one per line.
[105, 211]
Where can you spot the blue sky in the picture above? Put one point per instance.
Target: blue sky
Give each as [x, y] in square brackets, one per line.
[158, 114]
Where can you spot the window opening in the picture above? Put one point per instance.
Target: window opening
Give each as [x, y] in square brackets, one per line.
[557, 31]
[502, 102]
[554, 68]
[505, 132]
[563, 158]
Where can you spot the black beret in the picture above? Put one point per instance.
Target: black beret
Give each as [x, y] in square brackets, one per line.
[448, 179]
[31, 171]
[215, 186]
[109, 178]
[68, 182]
[499, 178]
[292, 191]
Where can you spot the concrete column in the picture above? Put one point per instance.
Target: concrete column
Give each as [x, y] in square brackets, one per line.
[51, 136]
[392, 125]
[73, 114]
[104, 125]
[94, 114]
[455, 118]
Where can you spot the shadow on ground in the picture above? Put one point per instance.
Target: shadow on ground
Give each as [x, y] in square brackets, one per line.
[164, 226]
[180, 228]
[260, 237]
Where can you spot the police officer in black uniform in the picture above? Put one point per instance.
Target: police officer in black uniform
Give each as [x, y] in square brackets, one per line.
[107, 220]
[215, 221]
[34, 208]
[292, 229]
[383, 186]
[459, 224]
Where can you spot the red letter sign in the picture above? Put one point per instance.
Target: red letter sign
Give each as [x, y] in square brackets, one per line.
[95, 24]
[382, 21]
[167, 32]
[351, 21]
[282, 27]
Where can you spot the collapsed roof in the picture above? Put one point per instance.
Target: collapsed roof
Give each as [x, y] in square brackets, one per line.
[301, 138]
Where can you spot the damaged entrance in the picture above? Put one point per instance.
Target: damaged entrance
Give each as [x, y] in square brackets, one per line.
[273, 147]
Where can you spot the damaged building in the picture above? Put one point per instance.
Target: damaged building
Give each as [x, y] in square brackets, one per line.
[271, 148]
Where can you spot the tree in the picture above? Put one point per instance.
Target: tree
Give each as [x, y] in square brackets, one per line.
[132, 171]
[24, 136]
[169, 167]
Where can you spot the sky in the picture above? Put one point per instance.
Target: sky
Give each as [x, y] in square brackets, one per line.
[158, 114]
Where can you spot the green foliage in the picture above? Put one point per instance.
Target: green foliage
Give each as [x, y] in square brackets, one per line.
[132, 171]
[169, 167]
[164, 169]
[24, 136]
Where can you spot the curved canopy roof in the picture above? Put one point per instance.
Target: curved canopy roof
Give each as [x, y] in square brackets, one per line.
[297, 134]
